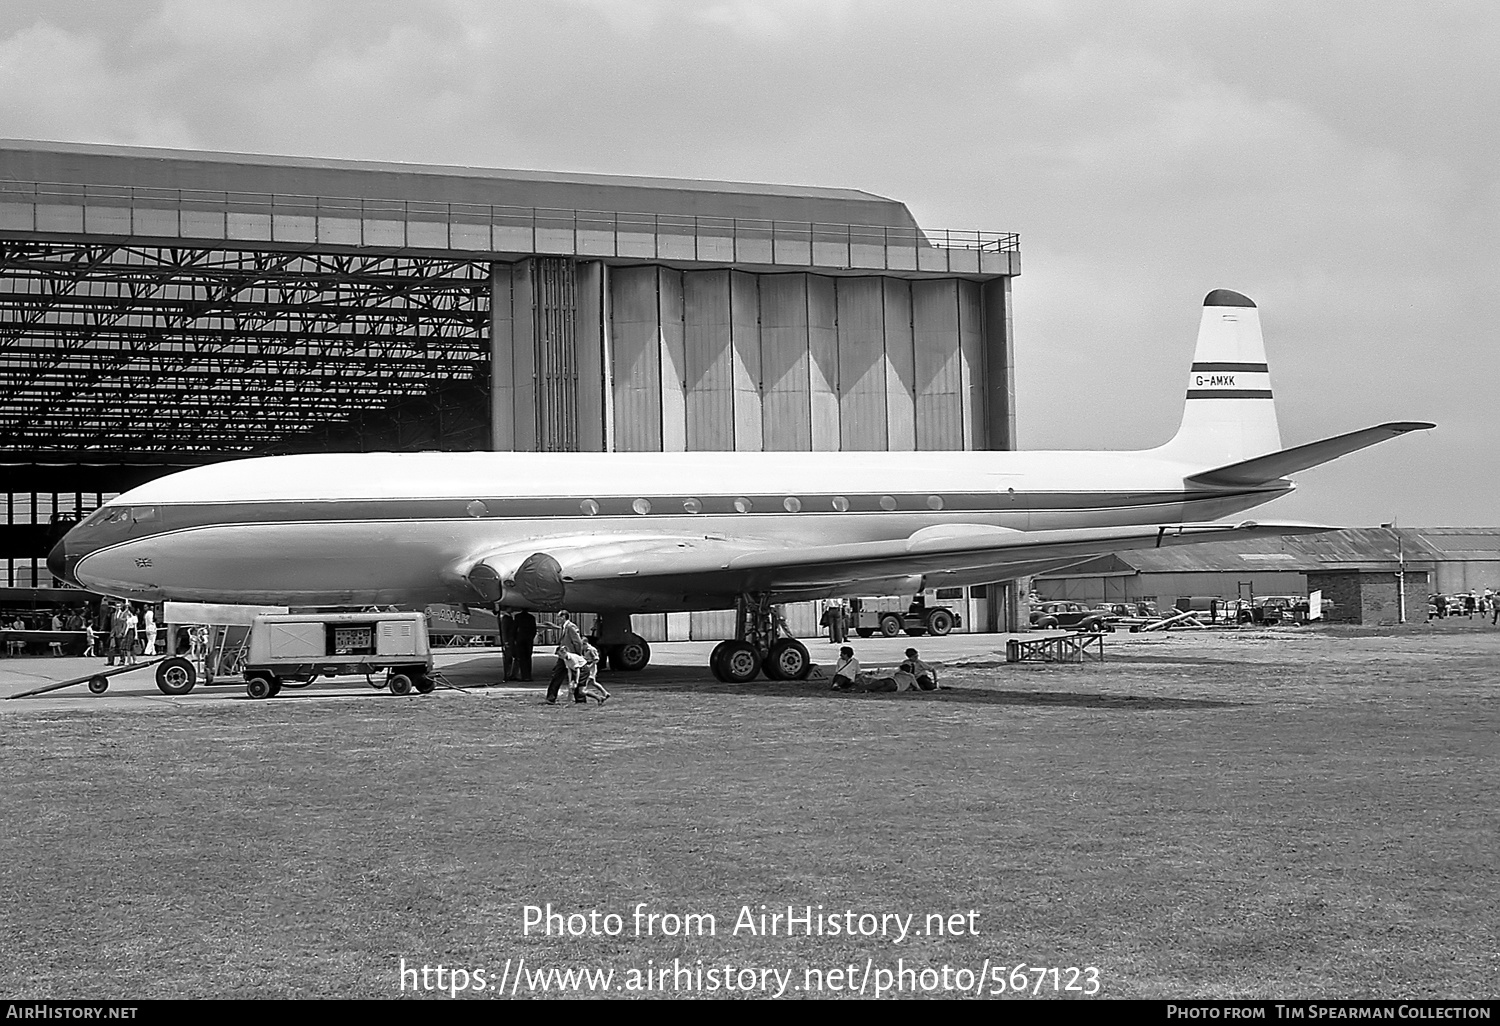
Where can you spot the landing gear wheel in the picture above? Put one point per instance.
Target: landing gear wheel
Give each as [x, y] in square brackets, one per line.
[176, 676]
[716, 659]
[890, 625]
[788, 660]
[739, 663]
[425, 684]
[99, 685]
[632, 656]
[939, 622]
[400, 684]
[261, 686]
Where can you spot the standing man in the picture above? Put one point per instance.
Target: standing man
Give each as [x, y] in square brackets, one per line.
[571, 642]
[508, 646]
[116, 644]
[525, 639]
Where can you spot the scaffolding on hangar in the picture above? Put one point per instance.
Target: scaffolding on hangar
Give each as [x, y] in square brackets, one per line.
[149, 327]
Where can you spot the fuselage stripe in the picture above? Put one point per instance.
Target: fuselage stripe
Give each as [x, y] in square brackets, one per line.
[1245, 368]
[1229, 393]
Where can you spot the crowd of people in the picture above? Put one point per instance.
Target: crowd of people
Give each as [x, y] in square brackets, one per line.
[117, 631]
[1485, 603]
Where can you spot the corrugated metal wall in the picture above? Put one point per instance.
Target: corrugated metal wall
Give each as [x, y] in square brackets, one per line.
[661, 359]
[726, 360]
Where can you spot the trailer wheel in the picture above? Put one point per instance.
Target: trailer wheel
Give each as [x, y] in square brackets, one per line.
[176, 676]
[865, 632]
[890, 625]
[260, 686]
[400, 684]
[425, 684]
[939, 622]
[99, 685]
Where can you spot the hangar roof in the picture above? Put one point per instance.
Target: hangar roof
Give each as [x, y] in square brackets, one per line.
[90, 164]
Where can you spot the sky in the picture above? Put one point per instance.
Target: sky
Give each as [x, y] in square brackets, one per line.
[1335, 161]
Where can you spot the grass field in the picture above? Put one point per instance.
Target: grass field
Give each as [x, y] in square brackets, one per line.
[1246, 815]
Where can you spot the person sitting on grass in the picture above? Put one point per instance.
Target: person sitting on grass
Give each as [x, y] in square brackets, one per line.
[846, 670]
[925, 675]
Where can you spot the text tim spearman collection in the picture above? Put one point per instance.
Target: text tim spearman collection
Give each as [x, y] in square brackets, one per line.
[747, 921]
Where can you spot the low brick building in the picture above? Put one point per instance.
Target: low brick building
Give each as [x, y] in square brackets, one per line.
[1370, 596]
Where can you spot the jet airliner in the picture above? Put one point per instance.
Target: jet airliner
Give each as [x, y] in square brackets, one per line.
[623, 533]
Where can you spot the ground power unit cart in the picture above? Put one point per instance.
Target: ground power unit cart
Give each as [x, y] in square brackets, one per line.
[298, 648]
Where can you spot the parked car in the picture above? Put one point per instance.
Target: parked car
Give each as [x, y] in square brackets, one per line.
[1070, 615]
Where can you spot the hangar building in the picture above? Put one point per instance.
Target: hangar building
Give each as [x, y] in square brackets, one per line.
[161, 308]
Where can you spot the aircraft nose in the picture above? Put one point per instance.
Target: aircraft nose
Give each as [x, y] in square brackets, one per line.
[57, 562]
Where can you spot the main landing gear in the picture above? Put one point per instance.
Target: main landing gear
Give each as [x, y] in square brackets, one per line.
[623, 648]
[761, 643]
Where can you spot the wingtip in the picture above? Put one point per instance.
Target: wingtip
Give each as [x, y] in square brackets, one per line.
[1226, 297]
[1403, 426]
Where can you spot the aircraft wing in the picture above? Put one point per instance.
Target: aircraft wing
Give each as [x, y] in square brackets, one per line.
[587, 570]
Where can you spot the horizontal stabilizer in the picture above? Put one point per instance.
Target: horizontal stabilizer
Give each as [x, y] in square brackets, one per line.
[1277, 465]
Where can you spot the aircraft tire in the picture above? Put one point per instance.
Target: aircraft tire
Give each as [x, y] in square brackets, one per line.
[890, 625]
[788, 660]
[916, 632]
[425, 685]
[939, 622]
[275, 687]
[400, 684]
[175, 676]
[716, 660]
[99, 685]
[740, 663]
[260, 686]
[633, 656]
[865, 632]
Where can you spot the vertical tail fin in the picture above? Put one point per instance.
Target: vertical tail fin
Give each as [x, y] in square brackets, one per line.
[1229, 414]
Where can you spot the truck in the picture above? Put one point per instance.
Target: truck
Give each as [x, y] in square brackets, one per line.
[891, 615]
[296, 648]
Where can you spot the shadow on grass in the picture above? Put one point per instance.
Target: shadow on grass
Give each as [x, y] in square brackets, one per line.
[695, 681]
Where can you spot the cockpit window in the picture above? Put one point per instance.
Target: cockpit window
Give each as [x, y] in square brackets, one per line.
[143, 514]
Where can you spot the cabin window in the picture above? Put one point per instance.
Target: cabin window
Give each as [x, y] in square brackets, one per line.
[742, 505]
[887, 502]
[934, 502]
[792, 504]
[692, 505]
[841, 504]
[641, 506]
[477, 509]
[590, 507]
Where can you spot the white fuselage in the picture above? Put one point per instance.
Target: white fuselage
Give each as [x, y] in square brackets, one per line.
[338, 529]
